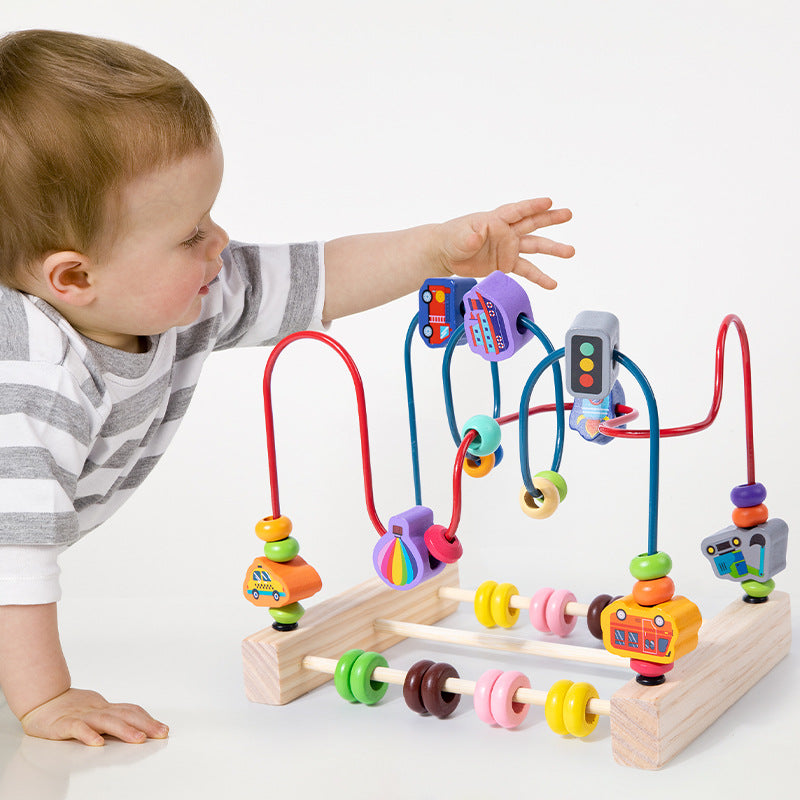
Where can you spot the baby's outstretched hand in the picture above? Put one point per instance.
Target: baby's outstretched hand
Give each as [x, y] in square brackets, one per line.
[86, 716]
[477, 244]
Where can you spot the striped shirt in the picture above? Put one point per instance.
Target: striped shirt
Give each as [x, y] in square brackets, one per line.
[83, 424]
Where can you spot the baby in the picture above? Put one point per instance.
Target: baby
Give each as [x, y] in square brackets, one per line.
[115, 285]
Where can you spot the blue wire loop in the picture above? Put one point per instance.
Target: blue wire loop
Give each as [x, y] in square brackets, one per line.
[655, 438]
[412, 413]
[524, 404]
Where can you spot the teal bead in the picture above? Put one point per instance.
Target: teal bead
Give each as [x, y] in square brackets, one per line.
[287, 615]
[557, 481]
[341, 675]
[648, 567]
[282, 550]
[489, 435]
[757, 588]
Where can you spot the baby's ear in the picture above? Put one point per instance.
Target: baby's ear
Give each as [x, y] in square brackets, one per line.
[67, 276]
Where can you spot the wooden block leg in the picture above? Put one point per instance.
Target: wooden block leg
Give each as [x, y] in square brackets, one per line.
[650, 725]
[273, 661]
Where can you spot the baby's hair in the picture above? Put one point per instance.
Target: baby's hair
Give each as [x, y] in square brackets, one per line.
[79, 118]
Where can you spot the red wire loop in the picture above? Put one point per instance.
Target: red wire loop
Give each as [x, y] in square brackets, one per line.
[362, 421]
[608, 428]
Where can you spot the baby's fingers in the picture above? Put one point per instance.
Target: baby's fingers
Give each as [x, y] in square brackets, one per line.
[111, 722]
[137, 717]
[540, 244]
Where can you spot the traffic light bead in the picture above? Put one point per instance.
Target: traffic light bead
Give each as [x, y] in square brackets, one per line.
[748, 494]
[649, 566]
[489, 434]
[750, 516]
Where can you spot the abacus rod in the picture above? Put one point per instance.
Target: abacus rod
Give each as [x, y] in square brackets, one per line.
[532, 697]
[516, 600]
[491, 641]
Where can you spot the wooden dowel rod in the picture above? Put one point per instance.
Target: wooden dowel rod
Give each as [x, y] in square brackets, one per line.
[491, 641]
[532, 697]
[516, 600]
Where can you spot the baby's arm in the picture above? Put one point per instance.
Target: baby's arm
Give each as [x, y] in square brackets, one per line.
[365, 271]
[36, 683]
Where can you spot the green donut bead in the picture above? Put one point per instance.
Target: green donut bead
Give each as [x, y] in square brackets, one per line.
[341, 676]
[649, 567]
[489, 434]
[282, 550]
[364, 689]
[758, 589]
[556, 480]
[287, 615]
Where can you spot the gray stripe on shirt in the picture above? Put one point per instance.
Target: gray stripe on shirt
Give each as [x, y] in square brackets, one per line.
[304, 264]
[129, 413]
[35, 463]
[14, 328]
[35, 528]
[50, 407]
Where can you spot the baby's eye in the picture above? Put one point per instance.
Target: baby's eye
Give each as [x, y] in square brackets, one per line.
[196, 238]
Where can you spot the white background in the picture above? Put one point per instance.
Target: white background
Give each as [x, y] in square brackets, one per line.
[671, 132]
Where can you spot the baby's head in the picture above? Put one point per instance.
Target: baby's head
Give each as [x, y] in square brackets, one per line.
[80, 118]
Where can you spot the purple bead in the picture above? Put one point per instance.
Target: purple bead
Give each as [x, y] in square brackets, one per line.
[401, 557]
[748, 495]
[491, 311]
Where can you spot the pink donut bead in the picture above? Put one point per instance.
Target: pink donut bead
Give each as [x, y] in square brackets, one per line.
[483, 695]
[538, 608]
[504, 710]
[556, 613]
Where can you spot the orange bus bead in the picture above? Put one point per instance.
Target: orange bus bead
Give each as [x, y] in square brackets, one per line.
[750, 517]
[651, 593]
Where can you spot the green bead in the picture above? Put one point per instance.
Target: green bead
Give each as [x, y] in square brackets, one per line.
[287, 615]
[758, 589]
[282, 550]
[341, 676]
[489, 434]
[650, 566]
[364, 689]
[556, 480]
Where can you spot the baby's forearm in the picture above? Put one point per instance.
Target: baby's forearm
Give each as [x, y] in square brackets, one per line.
[32, 665]
[370, 269]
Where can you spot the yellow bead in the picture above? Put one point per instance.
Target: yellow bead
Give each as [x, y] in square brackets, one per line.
[273, 530]
[478, 469]
[482, 603]
[577, 720]
[554, 706]
[540, 509]
[502, 613]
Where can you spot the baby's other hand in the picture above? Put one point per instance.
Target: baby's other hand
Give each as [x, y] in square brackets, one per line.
[86, 716]
[478, 244]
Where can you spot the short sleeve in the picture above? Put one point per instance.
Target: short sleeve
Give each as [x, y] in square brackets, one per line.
[268, 291]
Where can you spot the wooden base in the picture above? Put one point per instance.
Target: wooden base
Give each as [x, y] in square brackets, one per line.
[649, 725]
[273, 668]
[652, 724]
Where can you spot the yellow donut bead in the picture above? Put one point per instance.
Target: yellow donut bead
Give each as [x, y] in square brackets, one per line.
[546, 506]
[578, 721]
[554, 706]
[502, 613]
[271, 529]
[483, 603]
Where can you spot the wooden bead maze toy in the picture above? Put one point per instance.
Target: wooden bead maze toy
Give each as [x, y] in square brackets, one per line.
[680, 662]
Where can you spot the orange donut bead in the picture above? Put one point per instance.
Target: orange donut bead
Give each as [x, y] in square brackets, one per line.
[749, 517]
[651, 593]
[273, 530]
